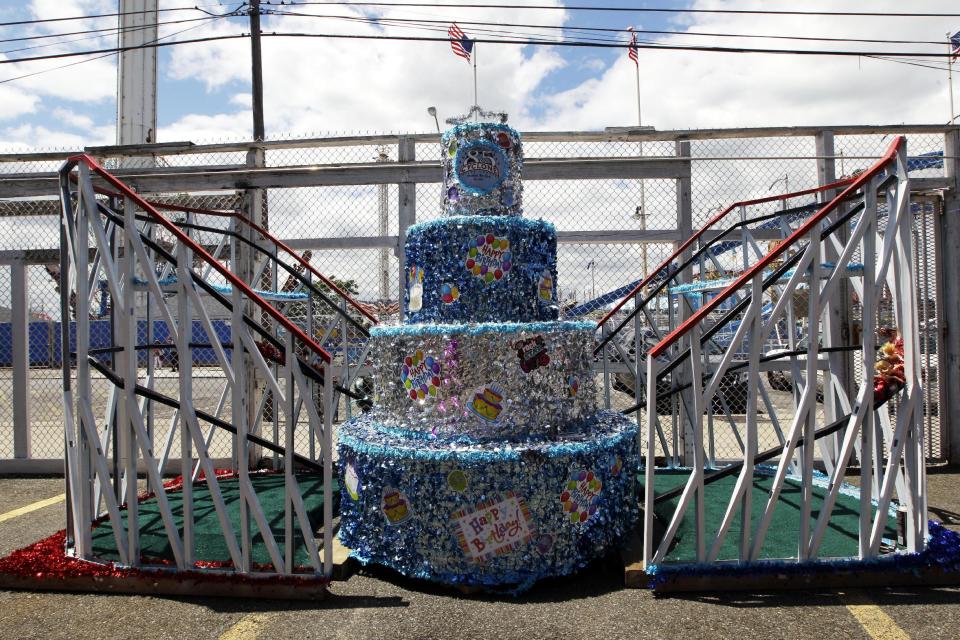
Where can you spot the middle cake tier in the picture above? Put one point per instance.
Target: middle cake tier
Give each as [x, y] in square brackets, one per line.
[481, 268]
[508, 381]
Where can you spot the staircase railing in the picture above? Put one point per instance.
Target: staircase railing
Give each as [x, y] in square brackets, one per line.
[796, 284]
[154, 268]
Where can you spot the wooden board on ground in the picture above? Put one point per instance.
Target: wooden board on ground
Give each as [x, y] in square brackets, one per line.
[170, 584]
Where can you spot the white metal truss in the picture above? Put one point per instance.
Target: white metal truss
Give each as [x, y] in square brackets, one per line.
[158, 269]
[688, 365]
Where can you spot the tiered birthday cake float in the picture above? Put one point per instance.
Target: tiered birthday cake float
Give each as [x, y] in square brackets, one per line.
[485, 460]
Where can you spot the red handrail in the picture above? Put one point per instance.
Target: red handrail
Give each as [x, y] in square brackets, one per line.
[758, 268]
[269, 236]
[230, 276]
[720, 216]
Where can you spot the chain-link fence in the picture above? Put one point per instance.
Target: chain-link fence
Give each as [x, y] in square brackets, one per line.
[611, 232]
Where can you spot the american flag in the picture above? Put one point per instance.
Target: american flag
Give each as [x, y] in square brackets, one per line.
[955, 46]
[632, 51]
[459, 42]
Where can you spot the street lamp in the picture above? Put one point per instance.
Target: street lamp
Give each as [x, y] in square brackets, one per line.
[433, 112]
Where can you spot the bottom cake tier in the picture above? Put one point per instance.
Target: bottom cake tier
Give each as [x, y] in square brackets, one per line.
[490, 513]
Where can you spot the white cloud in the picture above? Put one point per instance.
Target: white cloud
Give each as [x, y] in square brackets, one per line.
[15, 103]
[73, 119]
[29, 136]
[706, 90]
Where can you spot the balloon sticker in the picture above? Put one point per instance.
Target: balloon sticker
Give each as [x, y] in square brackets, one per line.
[573, 386]
[616, 464]
[415, 289]
[532, 353]
[486, 403]
[494, 527]
[449, 293]
[489, 258]
[420, 376]
[457, 480]
[352, 482]
[545, 286]
[580, 496]
[395, 507]
[544, 543]
[480, 166]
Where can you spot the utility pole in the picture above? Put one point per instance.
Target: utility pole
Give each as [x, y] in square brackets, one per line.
[137, 77]
[255, 206]
[257, 75]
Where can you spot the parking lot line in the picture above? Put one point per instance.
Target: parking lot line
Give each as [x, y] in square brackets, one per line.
[872, 618]
[247, 628]
[10, 515]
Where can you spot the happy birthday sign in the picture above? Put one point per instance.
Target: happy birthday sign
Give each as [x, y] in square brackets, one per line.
[489, 257]
[495, 527]
[420, 376]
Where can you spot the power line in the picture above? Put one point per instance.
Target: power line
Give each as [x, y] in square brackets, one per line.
[513, 41]
[73, 64]
[115, 14]
[861, 14]
[98, 33]
[608, 30]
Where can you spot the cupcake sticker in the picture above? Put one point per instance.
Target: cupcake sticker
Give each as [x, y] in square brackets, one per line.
[395, 506]
[487, 403]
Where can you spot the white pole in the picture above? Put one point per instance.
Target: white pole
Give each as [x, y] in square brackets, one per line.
[643, 204]
[950, 77]
[476, 101]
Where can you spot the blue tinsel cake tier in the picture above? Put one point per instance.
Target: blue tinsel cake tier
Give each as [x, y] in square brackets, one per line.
[482, 163]
[481, 269]
[484, 381]
[487, 514]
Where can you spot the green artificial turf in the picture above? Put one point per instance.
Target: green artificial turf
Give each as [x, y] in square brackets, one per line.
[840, 539]
[210, 543]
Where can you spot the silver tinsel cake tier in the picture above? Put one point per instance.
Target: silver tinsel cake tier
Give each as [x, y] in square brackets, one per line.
[484, 381]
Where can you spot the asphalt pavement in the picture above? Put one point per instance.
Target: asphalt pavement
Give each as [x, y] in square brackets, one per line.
[380, 604]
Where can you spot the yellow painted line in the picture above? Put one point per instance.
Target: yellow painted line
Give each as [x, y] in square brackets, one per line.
[247, 628]
[10, 515]
[872, 618]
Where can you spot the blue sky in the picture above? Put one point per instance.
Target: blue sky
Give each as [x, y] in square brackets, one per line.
[317, 86]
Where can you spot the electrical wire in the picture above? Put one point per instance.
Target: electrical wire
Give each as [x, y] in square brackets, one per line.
[154, 43]
[512, 41]
[603, 29]
[859, 14]
[115, 14]
[101, 33]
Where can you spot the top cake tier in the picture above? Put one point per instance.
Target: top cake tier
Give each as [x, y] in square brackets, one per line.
[482, 163]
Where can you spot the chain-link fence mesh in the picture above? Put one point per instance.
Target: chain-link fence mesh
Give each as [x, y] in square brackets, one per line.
[350, 234]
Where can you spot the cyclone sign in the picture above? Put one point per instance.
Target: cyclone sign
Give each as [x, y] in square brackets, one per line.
[480, 166]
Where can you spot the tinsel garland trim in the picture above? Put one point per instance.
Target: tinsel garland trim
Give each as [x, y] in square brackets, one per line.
[942, 552]
[478, 328]
[515, 223]
[486, 452]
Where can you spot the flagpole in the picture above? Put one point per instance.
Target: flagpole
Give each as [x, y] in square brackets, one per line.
[643, 204]
[476, 101]
[950, 76]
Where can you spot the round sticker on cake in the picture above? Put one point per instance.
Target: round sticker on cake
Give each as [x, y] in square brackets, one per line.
[480, 166]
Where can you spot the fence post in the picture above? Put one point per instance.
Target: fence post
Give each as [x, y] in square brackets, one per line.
[950, 265]
[685, 227]
[836, 329]
[407, 212]
[20, 326]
